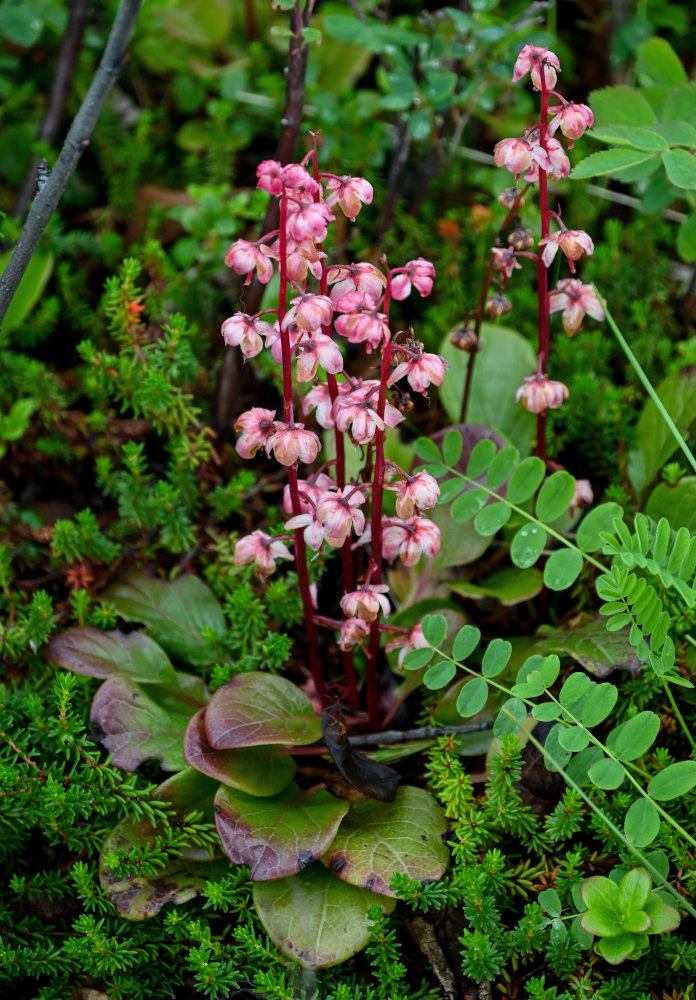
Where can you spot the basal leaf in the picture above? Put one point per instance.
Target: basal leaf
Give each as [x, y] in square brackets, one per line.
[377, 839]
[131, 655]
[277, 835]
[176, 614]
[314, 918]
[256, 708]
[663, 917]
[254, 770]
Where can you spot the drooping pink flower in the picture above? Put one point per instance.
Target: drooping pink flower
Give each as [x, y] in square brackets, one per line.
[313, 530]
[367, 325]
[576, 300]
[517, 155]
[409, 538]
[351, 193]
[261, 549]
[361, 277]
[275, 342]
[246, 332]
[407, 641]
[300, 182]
[311, 221]
[310, 312]
[573, 119]
[270, 176]
[418, 491]
[319, 399]
[505, 261]
[301, 258]
[533, 58]
[366, 602]
[254, 426]
[292, 443]
[339, 514]
[317, 349]
[243, 257]
[353, 632]
[573, 242]
[417, 273]
[309, 491]
[421, 371]
[356, 411]
[540, 393]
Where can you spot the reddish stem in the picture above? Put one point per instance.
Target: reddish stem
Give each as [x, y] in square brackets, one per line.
[542, 272]
[300, 548]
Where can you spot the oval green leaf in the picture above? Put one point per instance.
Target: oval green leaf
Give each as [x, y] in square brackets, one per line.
[501, 466]
[527, 545]
[642, 823]
[599, 704]
[607, 774]
[492, 518]
[562, 569]
[676, 780]
[555, 496]
[472, 697]
[496, 657]
[526, 479]
[633, 738]
[594, 523]
[434, 629]
[439, 675]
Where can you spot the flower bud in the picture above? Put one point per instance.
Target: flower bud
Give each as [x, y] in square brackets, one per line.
[498, 305]
[540, 393]
[521, 238]
[509, 198]
[464, 338]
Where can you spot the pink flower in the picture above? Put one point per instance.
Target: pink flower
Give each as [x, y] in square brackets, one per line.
[360, 277]
[299, 180]
[517, 155]
[292, 443]
[313, 531]
[261, 549]
[576, 300]
[583, 494]
[419, 491]
[310, 312]
[540, 393]
[270, 176]
[366, 602]
[317, 350]
[410, 538]
[533, 57]
[573, 120]
[319, 399]
[573, 243]
[243, 257]
[356, 410]
[312, 489]
[256, 426]
[366, 325]
[353, 631]
[421, 371]
[339, 514]
[505, 261]
[275, 342]
[351, 193]
[310, 222]
[407, 642]
[419, 273]
[246, 331]
[301, 258]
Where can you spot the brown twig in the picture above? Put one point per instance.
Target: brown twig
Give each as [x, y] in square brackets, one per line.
[392, 736]
[58, 94]
[77, 140]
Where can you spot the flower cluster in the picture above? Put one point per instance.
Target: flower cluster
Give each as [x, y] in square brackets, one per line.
[540, 157]
[305, 335]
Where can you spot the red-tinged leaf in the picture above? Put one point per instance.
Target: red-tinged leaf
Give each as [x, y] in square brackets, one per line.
[278, 835]
[377, 781]
[375, 840]
[139, 723]
[254, 770]
[131, 655]
[256, 709]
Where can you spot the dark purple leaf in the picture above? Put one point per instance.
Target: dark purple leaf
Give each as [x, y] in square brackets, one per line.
[378, 781]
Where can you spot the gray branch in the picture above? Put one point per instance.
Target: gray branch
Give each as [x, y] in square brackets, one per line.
[77, 140]
[392, 736]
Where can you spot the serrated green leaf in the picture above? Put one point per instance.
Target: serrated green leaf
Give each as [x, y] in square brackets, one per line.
[609, 163]
[644, 139]
[621, 105]
[658, 64]
[681, 168]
